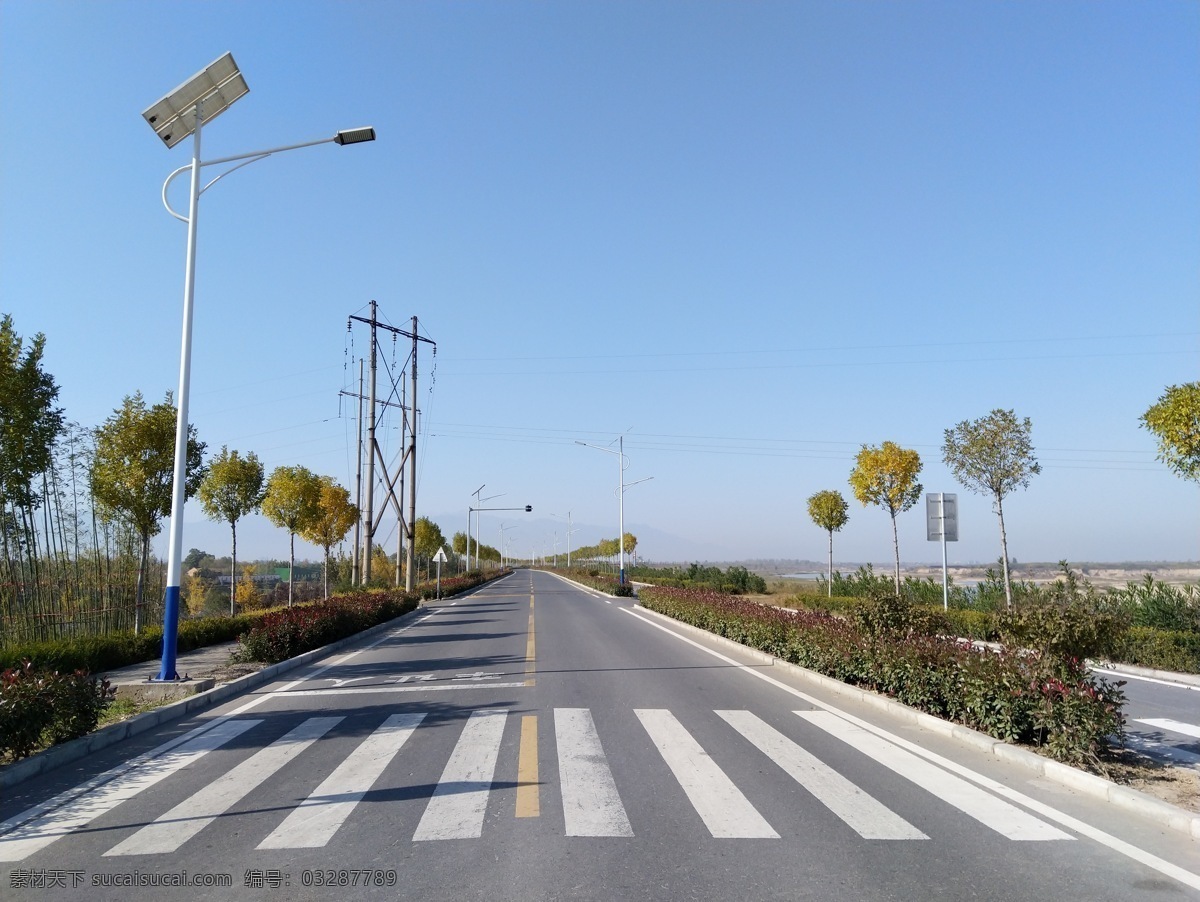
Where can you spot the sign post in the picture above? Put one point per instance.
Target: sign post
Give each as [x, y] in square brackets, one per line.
[941, 522]
[439, 558]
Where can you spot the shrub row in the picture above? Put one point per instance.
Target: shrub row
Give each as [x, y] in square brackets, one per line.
[1144, 646]
[1161, 649]
[733, 581]
[100, 653]
[601, 582]
[39, 709]
[286, 632]
[1035, 697]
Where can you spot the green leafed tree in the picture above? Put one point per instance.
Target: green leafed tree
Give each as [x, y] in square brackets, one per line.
[427, 538]
[1175, 421]
[133, 468]
[993, 455]
[291, 502]
[829, 511]
[232, 489]
[334, 516]
[30, 423]
[887, 477]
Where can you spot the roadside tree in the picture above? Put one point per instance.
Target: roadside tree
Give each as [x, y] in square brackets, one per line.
[887, 477]
[291, 502]
[829, 511]
[993, 455]
[132, 471]
[29, 422]
[427, 538]
[334, 516]
[232, 489]
[1175, 421]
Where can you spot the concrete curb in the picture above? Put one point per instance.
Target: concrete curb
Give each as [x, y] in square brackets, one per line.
[60, 755]
[1124, 797]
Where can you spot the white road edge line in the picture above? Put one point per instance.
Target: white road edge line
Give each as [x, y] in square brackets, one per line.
[1188, 878]
[1105, 672]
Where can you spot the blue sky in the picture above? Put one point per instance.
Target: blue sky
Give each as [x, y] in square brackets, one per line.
[750, 237]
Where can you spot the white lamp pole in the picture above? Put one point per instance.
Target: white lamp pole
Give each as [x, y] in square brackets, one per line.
[620, 493]
[182, 112]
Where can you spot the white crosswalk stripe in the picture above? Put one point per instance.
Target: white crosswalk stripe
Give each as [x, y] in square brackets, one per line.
[195, 813]
[313, 824]
[591, 804]
[457, 808]
[459, 803]
[866, 816]
[1004, 818]
[1174, 726]
[40, 832]
[725, 811]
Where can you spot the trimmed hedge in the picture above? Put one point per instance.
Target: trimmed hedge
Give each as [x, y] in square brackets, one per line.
[1160, 649]
[40, 709]
[601, 582]
[287, 632]
[1029, 698]
[100, 653]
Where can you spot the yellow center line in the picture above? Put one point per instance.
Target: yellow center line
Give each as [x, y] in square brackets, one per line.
[528, 804]
[530, 649]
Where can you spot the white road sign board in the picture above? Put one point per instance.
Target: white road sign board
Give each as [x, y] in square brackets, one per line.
[941, 509]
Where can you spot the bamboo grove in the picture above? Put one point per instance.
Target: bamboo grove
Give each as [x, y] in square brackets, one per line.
[68, 567]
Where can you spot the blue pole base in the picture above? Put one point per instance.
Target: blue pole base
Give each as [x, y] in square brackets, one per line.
[170, 634]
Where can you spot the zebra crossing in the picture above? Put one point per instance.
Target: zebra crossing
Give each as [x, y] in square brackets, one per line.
[592, 803]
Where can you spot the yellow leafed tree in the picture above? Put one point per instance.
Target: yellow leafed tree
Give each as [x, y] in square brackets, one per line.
[887, 477]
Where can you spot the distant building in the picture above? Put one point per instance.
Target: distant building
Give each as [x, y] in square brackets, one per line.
[303, 573]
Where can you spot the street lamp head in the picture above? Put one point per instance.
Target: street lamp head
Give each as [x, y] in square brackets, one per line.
[355, 135]
[214, 87]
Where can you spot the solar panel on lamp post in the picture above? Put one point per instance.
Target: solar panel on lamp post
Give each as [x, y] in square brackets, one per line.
[174, 117]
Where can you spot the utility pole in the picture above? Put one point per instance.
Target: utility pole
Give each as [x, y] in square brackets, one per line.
[412, 471]
[354, 580]
[370, 517]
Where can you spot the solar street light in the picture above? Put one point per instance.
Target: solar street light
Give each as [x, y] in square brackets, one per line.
[174, 117]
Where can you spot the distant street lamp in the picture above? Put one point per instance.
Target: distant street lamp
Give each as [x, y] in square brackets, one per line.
[620, 493]
[174, 117]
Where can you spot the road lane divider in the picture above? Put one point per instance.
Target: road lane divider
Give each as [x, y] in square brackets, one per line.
[528, 798]
[530, 648]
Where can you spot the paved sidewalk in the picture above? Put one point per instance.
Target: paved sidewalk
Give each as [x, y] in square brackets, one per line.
[200, 670]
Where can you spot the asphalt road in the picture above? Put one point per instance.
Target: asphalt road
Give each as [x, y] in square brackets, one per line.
[1162, 717]
[535, 741]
